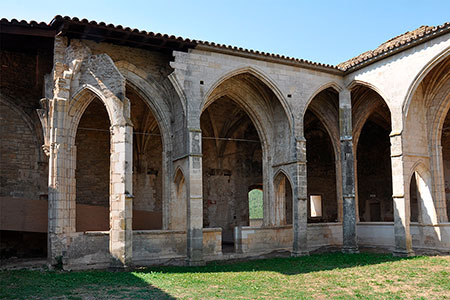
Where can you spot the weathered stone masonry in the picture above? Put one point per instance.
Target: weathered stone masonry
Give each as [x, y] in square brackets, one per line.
[125, 148]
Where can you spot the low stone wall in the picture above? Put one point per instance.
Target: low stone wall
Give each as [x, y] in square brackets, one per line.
[212, 241]
[87, 250]
[268, 239]
[262, 239]
[431, 237]
[90, 250]
[376, 234]
[152, 247]
[428, 238]
[324, 235]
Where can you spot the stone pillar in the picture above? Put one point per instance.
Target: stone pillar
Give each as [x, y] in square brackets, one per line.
[195, 199]
[61, 193]
[299, 204]
[348, 176]
[121, 199]
[403, 241]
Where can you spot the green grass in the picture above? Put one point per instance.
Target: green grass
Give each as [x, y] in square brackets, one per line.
[255, 203]
[324, 276]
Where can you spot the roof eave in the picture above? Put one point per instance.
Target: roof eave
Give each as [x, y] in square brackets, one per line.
[300, 63]
[396, 50]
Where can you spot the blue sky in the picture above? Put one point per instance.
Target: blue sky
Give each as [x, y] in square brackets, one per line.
[322, 31]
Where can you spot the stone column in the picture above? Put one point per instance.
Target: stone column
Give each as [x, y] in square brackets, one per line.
[195, 199]
[121, 199]
[299, 204]
[403, 241]
[61, 193]
[348, 176]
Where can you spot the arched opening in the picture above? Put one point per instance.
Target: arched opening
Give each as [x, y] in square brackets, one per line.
[371, 130]
[178, 206]
[283, 200]
[426, 132]
[147, 164]
[255, 206]
[232, 162]
[23, 187]
[320, 127]
[414, 200]
[445, 143]
[92, 172]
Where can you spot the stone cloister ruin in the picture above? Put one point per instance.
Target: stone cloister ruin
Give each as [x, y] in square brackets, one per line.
[123, 148]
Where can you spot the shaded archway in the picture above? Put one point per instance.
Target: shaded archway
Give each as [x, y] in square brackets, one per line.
[255, 206]
[283, 199]
[445, 143]
[232, 162]
[321, 131]
[426, 130]
[246, 133]
[148, 175]
[92, 172]
[371, 136]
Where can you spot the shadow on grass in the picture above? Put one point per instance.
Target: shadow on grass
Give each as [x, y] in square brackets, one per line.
[26, 284]
[288, 266]
[140, 283]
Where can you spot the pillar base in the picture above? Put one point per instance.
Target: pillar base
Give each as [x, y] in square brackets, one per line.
[299, 253]
[117, 265]
[195, 263]
[350, 250]
[403, 253]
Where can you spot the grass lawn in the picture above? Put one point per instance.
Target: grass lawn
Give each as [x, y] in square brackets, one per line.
[322, 276]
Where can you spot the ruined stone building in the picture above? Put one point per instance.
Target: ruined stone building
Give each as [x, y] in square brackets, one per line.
[122, 147]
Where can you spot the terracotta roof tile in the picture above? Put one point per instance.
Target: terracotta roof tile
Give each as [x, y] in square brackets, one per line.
[395, 44]
[391, 46]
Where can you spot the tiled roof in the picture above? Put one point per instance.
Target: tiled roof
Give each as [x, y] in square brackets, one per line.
[24, 23]
[68, 26]
[394, 45]
[140, 38]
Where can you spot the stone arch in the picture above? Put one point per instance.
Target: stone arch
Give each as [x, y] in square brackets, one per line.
[332, 84]
[36, 129]
[359, 121]
[264, 78]
[78, 104]
[283, 198]
[427, 110]
[421, 75]
[321, 131]
[334, 135]
[256, 117]
[354, 83]
[437, 157]
[153, 96]
[372, 123]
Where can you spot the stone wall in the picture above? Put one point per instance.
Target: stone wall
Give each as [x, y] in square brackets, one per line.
[23, 164]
